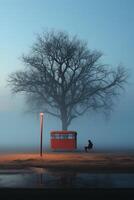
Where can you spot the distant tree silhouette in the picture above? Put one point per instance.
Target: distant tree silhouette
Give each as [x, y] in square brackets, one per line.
[64, 78]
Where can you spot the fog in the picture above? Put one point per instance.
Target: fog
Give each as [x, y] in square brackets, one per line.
[108, 26]
[20, 131]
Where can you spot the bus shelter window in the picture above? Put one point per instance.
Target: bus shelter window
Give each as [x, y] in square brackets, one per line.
[70, 136]
[60, 136]
[55, 136]
[65, 136]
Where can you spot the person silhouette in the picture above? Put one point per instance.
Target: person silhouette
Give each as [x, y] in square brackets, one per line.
[90, 146]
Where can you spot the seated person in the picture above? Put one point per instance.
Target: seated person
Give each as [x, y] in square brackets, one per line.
[90, 146]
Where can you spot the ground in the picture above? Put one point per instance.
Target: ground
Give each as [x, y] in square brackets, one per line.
[79, 161]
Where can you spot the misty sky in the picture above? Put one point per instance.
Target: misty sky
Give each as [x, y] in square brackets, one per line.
[107, 25]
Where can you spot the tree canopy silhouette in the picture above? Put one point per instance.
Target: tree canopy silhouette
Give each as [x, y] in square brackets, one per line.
[64, 78]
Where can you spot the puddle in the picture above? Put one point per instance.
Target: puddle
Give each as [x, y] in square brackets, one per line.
[43, 178]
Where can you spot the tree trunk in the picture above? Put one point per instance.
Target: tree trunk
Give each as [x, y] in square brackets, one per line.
[64, 124]
[64, 119]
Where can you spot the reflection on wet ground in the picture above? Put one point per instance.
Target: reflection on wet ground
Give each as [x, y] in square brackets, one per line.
[43, 178]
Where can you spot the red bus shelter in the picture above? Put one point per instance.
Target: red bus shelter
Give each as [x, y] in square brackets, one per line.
[63, 140]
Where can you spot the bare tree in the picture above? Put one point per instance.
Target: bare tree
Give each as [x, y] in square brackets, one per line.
[66, 79]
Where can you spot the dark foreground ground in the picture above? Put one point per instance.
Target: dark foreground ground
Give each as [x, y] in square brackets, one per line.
[81, 162]
[87, 162]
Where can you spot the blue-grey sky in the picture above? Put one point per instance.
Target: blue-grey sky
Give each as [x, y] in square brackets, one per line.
[107, 25]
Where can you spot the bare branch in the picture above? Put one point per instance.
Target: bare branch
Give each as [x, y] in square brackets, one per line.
[66, 79]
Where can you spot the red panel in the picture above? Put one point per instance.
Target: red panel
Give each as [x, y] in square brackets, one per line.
[63, 132]
[63, 144]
